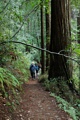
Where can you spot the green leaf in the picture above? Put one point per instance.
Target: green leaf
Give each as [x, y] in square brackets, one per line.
[77, 51]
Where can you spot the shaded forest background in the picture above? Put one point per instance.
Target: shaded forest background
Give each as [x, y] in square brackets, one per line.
[43, 31]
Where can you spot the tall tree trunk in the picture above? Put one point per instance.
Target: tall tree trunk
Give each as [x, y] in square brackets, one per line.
[78, 27]
[48, 31]
[78, 36]
[60, 38]
[42, 38]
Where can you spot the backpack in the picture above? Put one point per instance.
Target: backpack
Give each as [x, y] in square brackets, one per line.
[32, 68]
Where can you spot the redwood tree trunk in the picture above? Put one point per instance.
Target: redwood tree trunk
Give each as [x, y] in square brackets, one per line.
[78, 36]
[42, 39]
[60, 38]
[48, 31]
[78, 27]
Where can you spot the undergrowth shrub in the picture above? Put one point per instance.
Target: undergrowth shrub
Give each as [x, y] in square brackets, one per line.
[61, 88]
[45, 82]
[12, 76]
[66, 107]
[43, 78]
[14, 71]
[66, 99]
[21, 65]
[7, 82]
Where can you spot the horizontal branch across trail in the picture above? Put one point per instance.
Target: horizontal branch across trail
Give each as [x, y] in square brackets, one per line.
[54, 53]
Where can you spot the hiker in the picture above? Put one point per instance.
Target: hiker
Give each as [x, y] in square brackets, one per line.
[38, 68]
[39, 71]
[33, 70]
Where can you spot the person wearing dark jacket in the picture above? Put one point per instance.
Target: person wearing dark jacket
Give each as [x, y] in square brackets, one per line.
[37, 67]
[32, 70]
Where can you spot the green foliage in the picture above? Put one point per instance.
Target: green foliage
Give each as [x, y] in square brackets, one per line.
[12, 76]
[22, 66]
[65, 97]
[43, 78]
[77, 49]
[61, 89]
[76, 3]
[75, 72]
[7, 81]
[5, 53]
[73, 29]
[12, 18]
[14, 15]
[66, 107]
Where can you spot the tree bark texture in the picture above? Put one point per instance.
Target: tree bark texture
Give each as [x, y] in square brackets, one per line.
[60, 38]
[78, 37]
[78, 27]
[48, 32]
[42, 39]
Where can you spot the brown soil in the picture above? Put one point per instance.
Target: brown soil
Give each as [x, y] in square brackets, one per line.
[36, 104]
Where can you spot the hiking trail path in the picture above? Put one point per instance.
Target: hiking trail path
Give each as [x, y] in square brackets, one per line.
[37, 104]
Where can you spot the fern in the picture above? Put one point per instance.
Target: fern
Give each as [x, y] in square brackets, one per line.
[1, 82]
[66, 106]
[7, 81]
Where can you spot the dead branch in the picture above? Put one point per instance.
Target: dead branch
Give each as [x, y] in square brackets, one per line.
[53, 53]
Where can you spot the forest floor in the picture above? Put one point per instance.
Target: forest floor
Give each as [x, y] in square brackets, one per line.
[35, 104]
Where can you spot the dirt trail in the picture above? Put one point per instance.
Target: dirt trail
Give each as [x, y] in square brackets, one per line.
[36, 104]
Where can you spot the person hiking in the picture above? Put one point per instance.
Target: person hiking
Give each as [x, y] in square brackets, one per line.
[33, 70]
[38, 68]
